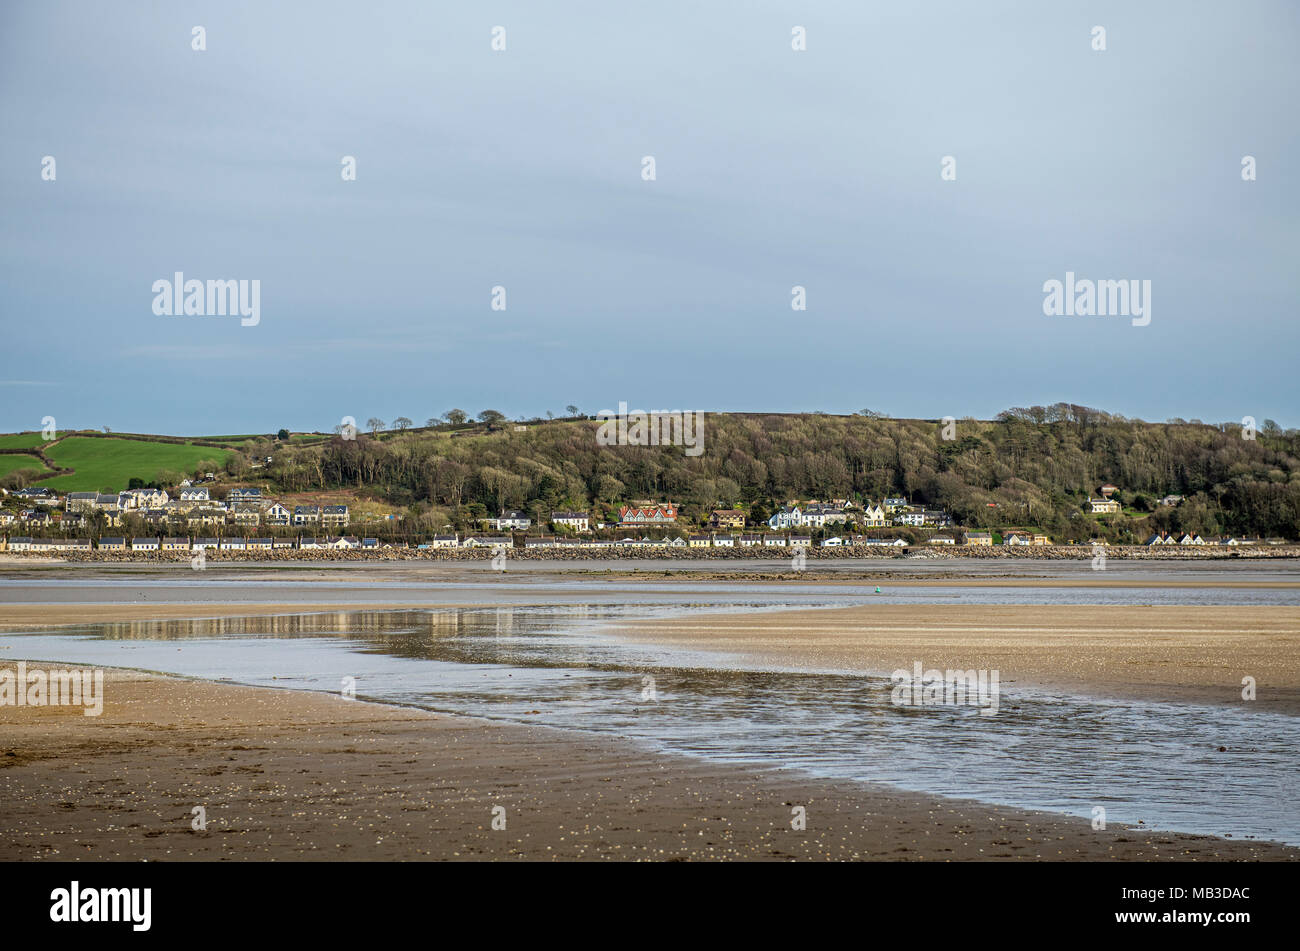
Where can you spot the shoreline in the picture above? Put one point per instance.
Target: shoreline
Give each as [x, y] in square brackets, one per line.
[298, 775]
[955, 553]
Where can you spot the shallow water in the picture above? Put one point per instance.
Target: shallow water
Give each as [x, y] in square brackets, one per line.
[553, 664]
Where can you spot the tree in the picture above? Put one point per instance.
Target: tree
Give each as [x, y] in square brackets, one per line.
[282, 435]
[571, 410]
[375, 424]
[455, 416]
[402, 423]
[491, 417]
[433, 421]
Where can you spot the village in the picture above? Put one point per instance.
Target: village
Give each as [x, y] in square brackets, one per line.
[38, 519]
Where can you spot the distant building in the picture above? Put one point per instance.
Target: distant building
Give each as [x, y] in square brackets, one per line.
[727, 518]
[1103, 507]
[647, 515]
[576, 521]
[509, 521]
[979, 538]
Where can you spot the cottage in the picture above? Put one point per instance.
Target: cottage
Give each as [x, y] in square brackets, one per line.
[203, 543]
[112, 544]
[1103, 506]
[443, 541]
[894, 504]
[233, 544]
[145, 544]
[576, 521]
[979, 538]
[260, 544]
[20, 543]
[244, 495]
[541, 541]
[194, 493]
[175, 544]
[774, 541]
[699, 541]
[488, 541]
[942, 540]
[724, 541]
[508, 522]
[800, 541]
[749, 541]
[833, 542]
[282, 543]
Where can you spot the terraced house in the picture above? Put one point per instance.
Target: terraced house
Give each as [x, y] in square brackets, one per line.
[306, 515]
[334, 516]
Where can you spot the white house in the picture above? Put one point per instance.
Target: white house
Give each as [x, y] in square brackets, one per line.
[577, 521]
[873, 516]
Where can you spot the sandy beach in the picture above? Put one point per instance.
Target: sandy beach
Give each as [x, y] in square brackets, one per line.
[1193, 654]
[297, 775]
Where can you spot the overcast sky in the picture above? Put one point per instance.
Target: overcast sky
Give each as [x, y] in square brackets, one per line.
[523, 168]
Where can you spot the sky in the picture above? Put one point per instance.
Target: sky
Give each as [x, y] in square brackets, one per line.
[523, 169]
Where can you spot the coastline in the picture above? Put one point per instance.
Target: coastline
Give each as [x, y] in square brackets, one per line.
[295, 775]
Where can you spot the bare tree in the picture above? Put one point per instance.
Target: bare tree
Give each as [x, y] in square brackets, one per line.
[571, 410]
[455, 416]
[375, 424]
[402, 423]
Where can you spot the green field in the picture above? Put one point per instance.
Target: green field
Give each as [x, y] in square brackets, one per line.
[20, 441]
[112, 463]
[10, 464]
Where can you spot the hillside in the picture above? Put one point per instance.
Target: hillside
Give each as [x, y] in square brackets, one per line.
[101, 462]
[1029, 468]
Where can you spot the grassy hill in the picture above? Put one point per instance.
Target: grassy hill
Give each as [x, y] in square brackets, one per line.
[13, 463]
[21, 441]
[109, 463]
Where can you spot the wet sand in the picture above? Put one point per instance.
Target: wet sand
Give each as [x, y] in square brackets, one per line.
[295, 775]
[1189, 653]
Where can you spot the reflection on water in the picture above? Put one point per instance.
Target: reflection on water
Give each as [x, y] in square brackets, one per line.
[1157, 763]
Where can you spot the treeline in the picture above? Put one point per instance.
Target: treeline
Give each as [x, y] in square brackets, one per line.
[1031, 467]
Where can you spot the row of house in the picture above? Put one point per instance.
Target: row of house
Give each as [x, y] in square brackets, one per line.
[516, 521]
[1189, 538]
[109, 543]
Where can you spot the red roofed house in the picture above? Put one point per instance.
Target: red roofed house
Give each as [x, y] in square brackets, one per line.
[647, 515]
